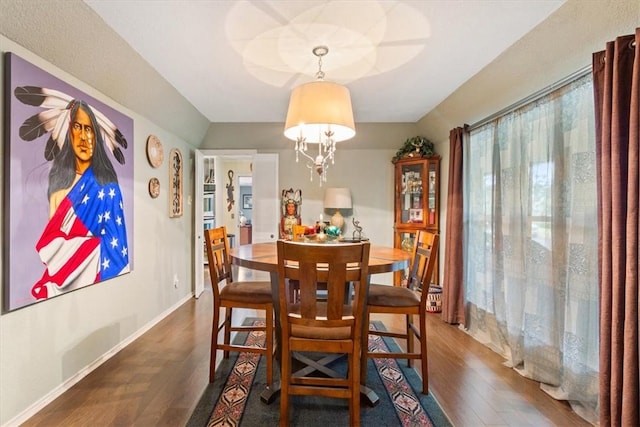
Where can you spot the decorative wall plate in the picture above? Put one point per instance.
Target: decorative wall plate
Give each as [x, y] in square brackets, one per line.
[155, 152]
[154, 187]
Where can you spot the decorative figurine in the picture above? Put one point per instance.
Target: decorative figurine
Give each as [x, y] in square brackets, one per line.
[291, 203]
[230, 189]
[357, 233]
[332, 231]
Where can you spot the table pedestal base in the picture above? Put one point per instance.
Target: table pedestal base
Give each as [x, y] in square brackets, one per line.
[367, 395]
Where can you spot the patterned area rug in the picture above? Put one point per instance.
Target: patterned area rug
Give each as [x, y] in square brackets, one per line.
[234, 398]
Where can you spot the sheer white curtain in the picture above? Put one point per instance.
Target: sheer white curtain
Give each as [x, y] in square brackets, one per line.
[531, 240]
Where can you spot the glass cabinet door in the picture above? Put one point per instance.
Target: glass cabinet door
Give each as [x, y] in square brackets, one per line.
[417, 202]
[432, 200]
[412, 193]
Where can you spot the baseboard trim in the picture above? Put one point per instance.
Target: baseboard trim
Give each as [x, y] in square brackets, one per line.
[56, 392]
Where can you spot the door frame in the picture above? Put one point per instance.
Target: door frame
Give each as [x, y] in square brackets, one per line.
[200, 156]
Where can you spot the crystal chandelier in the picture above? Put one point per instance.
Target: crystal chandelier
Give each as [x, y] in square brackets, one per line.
[319, 113]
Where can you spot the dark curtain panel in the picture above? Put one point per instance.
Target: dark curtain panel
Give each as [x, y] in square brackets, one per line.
[616, 75]
[452, 288]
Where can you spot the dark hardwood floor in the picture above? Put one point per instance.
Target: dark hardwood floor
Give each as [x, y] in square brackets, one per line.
[158, 379]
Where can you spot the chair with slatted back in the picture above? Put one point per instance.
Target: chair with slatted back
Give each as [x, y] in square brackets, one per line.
[409, 301]
[334, 325]
[249, 295]
[297, 236]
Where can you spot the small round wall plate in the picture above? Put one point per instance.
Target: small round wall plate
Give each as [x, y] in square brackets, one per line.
[155, 152]
[154, 187]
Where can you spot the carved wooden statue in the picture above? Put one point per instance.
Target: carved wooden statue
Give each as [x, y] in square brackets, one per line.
[291, 204]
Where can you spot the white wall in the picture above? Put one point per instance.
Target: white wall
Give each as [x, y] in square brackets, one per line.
[230, 218]
[369, 176]
[558, 47]
[47, 344]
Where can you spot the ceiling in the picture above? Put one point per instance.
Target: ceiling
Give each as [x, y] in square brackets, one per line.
[237, 61]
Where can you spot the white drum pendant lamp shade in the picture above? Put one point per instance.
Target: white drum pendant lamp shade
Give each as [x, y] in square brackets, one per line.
[319, 107]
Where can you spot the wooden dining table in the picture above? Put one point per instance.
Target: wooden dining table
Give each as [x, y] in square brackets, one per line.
[264, 257]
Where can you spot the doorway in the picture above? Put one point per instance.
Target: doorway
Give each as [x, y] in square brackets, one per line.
[224, 168]
[245, 209]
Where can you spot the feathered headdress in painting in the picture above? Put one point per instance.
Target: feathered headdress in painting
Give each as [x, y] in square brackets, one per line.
[56, 118]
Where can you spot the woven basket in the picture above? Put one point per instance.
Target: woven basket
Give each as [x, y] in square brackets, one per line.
[434, 299]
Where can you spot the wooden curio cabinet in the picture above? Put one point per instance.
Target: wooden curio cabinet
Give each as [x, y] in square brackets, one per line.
[417, 202]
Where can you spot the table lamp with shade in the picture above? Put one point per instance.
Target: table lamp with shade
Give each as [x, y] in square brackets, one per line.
[337, 198]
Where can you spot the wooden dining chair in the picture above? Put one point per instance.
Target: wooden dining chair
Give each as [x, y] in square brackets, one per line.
[409, 301]
[334, 325]
[298, 236]
[250, 295]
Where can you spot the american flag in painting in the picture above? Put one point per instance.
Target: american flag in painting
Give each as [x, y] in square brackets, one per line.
[85, 240]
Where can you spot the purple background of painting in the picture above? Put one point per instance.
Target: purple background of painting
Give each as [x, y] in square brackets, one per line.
[29, 178]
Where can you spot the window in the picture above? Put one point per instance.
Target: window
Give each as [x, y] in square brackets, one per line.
[531, 237]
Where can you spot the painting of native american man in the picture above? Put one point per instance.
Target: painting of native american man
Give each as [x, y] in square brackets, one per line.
[69, 187]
